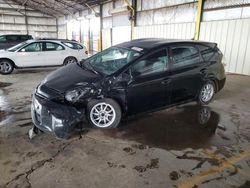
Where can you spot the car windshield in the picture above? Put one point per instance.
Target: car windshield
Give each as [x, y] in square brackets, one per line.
[14, 48]
[111, 60]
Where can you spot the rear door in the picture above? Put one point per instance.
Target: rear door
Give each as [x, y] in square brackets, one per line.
[187, 72]
[149, 86]
[54, 53]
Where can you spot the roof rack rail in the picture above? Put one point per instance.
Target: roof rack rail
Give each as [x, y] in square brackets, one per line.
[56, 39]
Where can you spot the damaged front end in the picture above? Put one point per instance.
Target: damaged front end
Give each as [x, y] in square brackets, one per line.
[59, 114]
[59, 102]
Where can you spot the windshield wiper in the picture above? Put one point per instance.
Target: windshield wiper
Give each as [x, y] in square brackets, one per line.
[84, 64]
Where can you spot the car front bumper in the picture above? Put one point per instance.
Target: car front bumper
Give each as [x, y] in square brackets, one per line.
[55, 118]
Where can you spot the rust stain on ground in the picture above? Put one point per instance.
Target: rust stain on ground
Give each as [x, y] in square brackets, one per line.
[212, 172]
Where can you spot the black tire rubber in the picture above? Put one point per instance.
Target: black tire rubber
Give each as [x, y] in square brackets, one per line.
[200, 101]
[67, 58]
[111, 102]
[10, 63]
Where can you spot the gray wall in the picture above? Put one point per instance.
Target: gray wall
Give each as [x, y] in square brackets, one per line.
[15, 19]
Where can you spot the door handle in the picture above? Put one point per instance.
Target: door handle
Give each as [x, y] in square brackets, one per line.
[203, 71]
[167, 81]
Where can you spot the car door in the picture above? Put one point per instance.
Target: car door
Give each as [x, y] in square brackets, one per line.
[148, 88]
[186, 72]
[30, 55]
[54, 53]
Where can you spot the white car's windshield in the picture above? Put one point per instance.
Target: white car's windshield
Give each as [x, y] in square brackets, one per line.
[111, 60]
[14, 48]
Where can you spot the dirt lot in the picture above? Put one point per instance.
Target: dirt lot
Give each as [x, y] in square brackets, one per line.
[170, 148]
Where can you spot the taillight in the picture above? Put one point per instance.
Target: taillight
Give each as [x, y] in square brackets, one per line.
[223, 61]
[86, 52]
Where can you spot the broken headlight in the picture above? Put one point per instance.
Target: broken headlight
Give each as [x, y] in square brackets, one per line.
[78, 93]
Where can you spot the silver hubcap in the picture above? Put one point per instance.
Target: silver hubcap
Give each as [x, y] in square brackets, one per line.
[207, 92]
[5, 67]
[102, 115]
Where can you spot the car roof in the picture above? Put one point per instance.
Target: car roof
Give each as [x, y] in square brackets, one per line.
[15, 35]
[147, 44]
[48, 40]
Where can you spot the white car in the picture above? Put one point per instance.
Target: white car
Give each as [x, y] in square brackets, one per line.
[41, 53]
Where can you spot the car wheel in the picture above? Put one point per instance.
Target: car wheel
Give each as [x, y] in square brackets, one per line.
[104, 114]
[207, 93]
[69, 60]
[6, 66]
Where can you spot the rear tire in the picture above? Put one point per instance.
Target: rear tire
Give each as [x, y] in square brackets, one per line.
[104, 114]
[206, 93]
[69, 60]
[6, 66]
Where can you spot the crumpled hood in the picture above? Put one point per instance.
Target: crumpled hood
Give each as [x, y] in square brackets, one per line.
[68, 77]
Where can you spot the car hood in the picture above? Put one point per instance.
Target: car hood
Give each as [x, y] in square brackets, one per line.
[69, 77]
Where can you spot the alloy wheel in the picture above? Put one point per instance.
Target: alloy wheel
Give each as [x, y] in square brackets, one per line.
[102, 115]
[207, 92]
[5, 67]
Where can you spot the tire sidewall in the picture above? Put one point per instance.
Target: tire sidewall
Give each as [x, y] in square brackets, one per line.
[200, 101]
[12, 67]
[109, 101]
[66, 59]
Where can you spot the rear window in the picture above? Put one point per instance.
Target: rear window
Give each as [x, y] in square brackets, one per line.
[207, 52]
[73, 45]
[25, 37]
[12, 37]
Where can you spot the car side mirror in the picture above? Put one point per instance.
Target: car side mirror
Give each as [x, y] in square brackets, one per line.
[23, 50]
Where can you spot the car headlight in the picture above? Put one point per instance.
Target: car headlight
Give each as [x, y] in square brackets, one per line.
[77, 93]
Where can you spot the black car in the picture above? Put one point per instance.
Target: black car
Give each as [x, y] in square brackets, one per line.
[133, 77]
[7, 41]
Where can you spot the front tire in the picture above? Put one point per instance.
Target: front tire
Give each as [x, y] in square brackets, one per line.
[69, 60]
[6, 66]
[104, 114]
[206, 93]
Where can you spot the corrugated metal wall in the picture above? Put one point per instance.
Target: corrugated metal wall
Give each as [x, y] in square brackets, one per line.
[233, 38]
[36, 23]
[171, 31]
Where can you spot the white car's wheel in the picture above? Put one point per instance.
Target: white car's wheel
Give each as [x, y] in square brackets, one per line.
[6, 66]
[69, 60]
[104, 113]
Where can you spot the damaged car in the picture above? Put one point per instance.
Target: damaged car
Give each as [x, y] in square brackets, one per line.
[142, 75]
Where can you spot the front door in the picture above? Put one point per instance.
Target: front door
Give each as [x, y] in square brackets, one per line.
[148, 88]
[186, 73]
[30, 55]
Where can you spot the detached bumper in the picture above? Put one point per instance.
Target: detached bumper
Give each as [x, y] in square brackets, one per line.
[55, 118]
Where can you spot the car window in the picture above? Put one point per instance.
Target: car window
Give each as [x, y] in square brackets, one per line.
[25, 37]
[73, 45]
[34, 47]
[111, 60]
[206, 52]
[155, 63]
[2, 38]
[184, 56]
[12, 38]
[50, 46]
